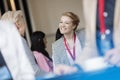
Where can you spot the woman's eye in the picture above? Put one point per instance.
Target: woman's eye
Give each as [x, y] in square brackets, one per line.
[67, 23]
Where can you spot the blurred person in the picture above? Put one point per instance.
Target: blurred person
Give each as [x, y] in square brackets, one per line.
[12, 51]
[4, 70]
[68, 48]
[17, 18]
[38, 46]
[103, 29]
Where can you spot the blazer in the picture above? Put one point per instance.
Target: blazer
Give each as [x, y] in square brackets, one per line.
[89, 11]
[59, 52]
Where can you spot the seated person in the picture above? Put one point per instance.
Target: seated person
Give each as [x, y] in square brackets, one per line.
[13, 52]
[16, 17]
[38, 46]
[68, 48]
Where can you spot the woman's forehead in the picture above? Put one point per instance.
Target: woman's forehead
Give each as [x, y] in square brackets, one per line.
[66, 18]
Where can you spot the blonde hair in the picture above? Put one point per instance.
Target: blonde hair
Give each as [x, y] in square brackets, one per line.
[74, 17]
[13, 16]
[17, 18]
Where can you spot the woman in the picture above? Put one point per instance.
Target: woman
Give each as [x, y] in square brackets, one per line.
[17, 18]
[38, 45]
[67, 49]
[14, 51]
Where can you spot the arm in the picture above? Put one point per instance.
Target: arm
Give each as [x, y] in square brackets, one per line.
[42, 61]
[37, 70]
[55, 57]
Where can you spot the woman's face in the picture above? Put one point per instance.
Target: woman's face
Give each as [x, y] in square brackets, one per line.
[66, 26]
[21, 26]
[22, 29]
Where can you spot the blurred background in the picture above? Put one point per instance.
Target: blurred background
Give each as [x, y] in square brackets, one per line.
[43, 15]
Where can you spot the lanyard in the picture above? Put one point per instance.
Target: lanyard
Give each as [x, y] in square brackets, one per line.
[73, 56]
[101, 16]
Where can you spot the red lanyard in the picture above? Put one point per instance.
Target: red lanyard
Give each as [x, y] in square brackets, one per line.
[101, 16]
[73, 56]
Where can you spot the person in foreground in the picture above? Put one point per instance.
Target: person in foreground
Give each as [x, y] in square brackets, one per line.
[17, 18]
[103, 29]
[13, 52]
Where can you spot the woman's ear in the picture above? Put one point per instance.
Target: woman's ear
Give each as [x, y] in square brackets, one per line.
[74, 27]
[17, 25]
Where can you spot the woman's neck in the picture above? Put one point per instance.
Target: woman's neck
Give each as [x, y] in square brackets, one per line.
[69, 36]
[69, 40]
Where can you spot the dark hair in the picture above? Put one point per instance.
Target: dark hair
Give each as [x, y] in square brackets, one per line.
[37, 43]
[0, 12]
[58, 35]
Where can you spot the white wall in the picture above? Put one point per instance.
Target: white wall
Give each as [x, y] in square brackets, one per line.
[45, 15]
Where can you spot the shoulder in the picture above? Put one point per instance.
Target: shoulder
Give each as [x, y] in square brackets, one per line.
[57, 47]
[38, 54]
[7, 25]
[81, 36]
[80, 31]
[58, 42]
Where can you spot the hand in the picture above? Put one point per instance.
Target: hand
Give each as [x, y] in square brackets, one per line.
[113, 56]
[64, 69]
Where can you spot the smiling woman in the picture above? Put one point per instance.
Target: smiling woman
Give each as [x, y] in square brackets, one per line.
[71, 43]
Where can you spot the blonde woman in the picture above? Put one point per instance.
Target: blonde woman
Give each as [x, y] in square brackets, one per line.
[17, 18]
[67, 50]
[12, 50]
